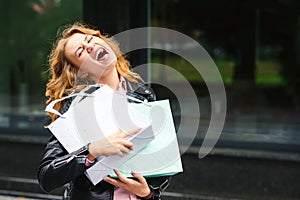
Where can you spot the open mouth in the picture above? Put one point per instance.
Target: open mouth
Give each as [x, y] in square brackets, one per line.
[101, 53]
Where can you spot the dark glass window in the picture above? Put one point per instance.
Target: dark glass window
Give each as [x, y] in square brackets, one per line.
[28, 31]
[256, 48]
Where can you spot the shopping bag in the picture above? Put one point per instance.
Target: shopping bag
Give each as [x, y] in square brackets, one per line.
[92, 117]
[95, 116]
[161, 157]
[155, 151]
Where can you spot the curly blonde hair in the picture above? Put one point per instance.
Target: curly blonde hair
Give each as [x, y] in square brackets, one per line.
[63, 72]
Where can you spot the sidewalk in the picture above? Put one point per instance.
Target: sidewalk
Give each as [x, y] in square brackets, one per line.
[14, 198]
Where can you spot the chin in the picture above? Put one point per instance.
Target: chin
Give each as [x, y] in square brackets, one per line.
[112, 64]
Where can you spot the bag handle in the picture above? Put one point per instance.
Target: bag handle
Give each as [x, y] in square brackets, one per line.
[145, 102]
[50, 106]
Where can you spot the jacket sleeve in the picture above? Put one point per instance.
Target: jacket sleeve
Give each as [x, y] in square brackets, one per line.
[157, 186]
[58, 167]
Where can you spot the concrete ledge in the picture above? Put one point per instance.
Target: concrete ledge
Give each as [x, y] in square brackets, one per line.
[251, 154]
[225, 173]
[238, 177]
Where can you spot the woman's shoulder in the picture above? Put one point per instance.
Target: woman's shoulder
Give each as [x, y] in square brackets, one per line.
[72, 96]
[66, 105]
[140, 90]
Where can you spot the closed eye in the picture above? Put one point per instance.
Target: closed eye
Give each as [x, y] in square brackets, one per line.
[80, 51]
[90, 39]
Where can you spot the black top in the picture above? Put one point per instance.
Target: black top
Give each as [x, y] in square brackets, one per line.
[58, 167]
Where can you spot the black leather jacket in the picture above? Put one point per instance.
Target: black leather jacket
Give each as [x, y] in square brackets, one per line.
[58, 167]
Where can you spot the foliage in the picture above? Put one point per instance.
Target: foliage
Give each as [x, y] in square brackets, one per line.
[30, 29]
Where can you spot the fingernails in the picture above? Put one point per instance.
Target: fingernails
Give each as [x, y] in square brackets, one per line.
[132, 172]
[116, 171]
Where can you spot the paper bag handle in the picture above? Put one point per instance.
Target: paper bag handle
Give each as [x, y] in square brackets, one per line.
[50, 106]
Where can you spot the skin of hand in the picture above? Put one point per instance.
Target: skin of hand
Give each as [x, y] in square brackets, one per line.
[138, 187]
[115, 144]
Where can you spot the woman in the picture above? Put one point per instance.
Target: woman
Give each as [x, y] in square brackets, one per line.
[80, 56]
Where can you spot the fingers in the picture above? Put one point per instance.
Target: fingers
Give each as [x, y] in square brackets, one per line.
[115, 144]
[119, 183]
[138, 186]
[124, 146]
[122, 178]
[128, 144]
[123, 149]
[139, 177]
[113, 181]
[130, 133]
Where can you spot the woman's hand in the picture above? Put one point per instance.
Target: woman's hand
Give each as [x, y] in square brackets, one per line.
[138, 187]
[115, 144]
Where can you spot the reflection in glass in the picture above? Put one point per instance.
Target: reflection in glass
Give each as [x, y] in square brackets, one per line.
[30, 29]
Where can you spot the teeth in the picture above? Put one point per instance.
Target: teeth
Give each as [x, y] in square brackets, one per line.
[101, 52]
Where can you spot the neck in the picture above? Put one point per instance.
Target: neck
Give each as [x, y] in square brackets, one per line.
[111, 78]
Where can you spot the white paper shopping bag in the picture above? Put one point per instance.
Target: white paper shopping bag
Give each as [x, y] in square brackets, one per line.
[94, 116]
[161, 157]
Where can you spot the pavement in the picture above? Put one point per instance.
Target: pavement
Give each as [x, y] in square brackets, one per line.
[14, 198]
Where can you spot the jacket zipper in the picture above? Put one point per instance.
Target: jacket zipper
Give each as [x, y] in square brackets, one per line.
[69, 159]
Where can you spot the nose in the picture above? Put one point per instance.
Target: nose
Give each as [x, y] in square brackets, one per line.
[89, 47]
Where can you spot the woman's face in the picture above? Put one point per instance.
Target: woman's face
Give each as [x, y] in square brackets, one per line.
[90, 54]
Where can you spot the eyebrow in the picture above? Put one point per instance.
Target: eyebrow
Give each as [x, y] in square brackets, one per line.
[85, 39]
